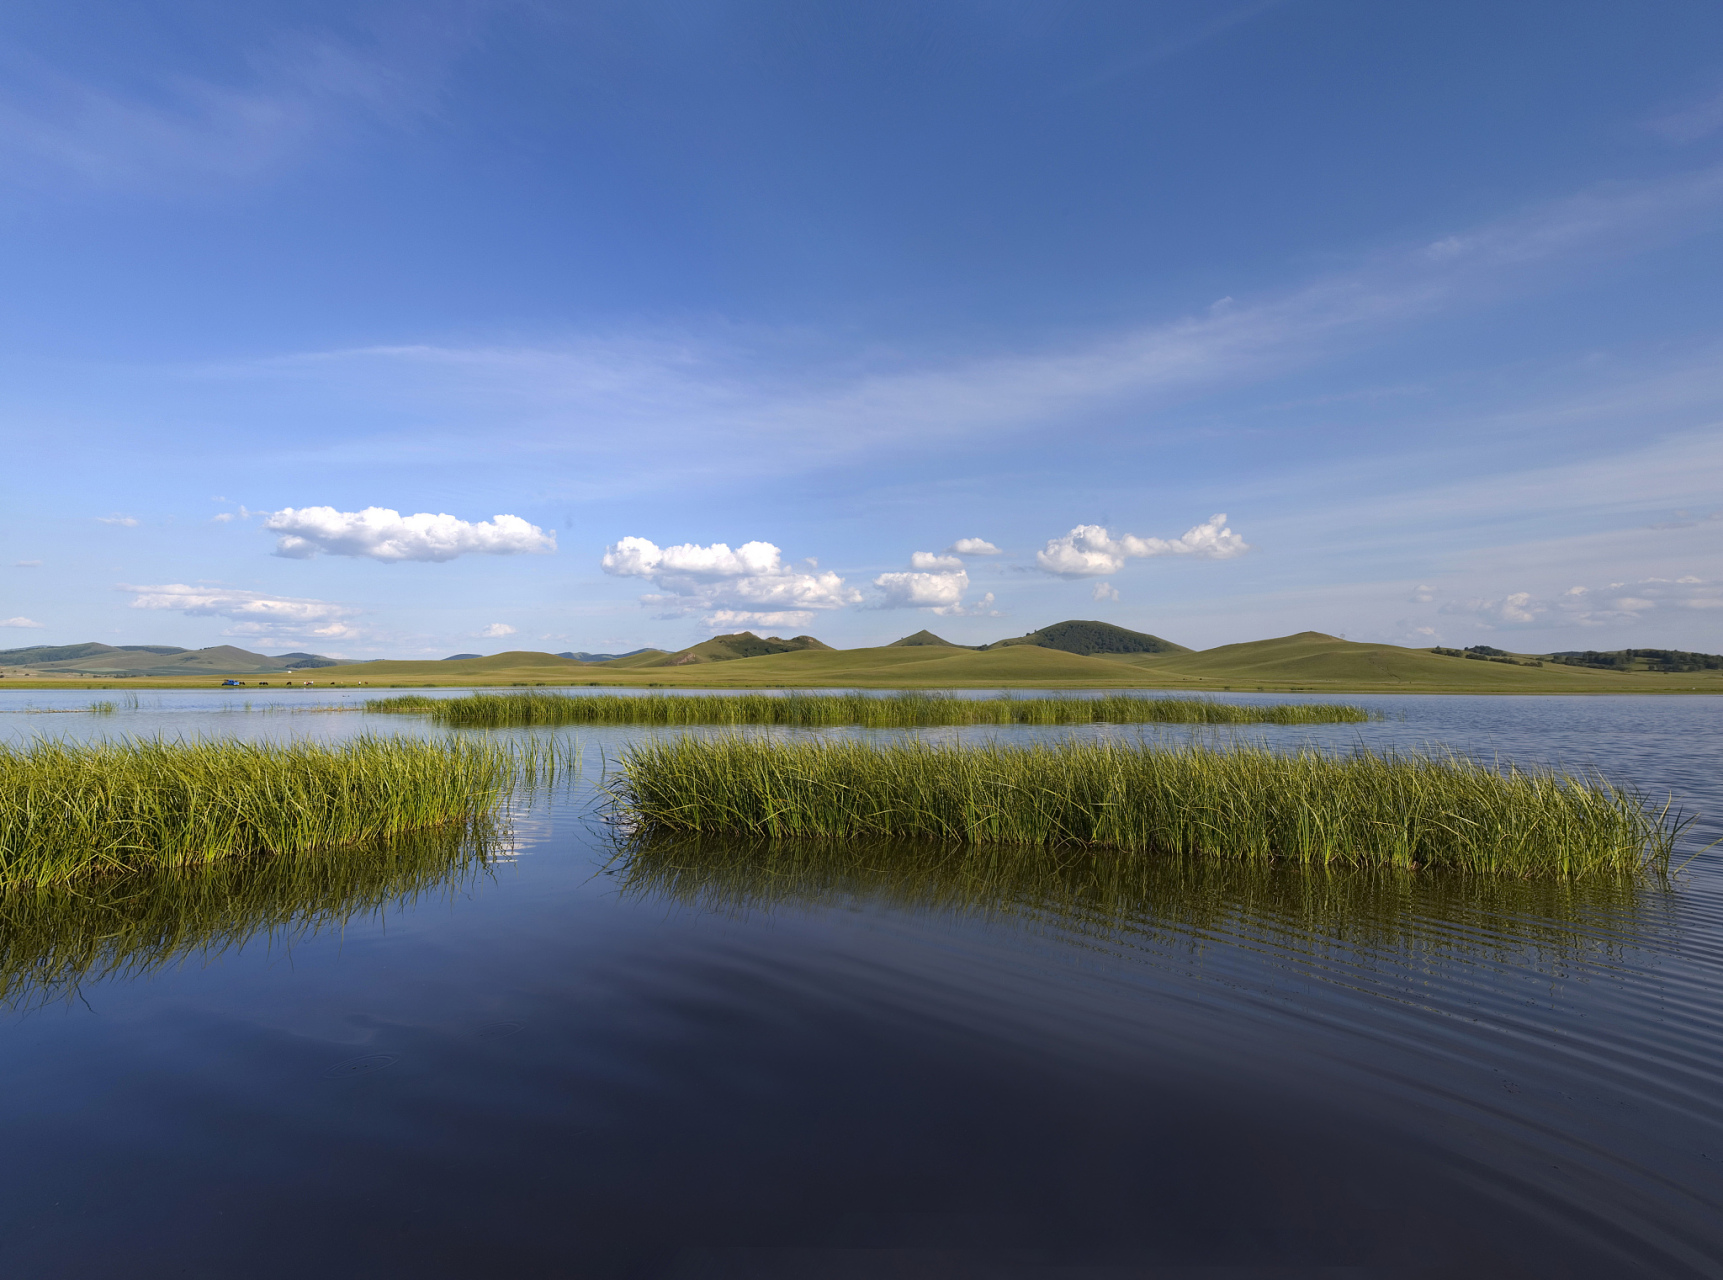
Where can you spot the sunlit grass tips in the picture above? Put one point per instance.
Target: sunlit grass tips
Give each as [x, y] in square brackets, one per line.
[903, 711]
[69, 811]
[1309, 807]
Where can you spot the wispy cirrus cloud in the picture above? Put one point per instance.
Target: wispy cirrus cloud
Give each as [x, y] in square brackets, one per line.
[1590, 606]
[180, 129]
[736, 401]
[1689, 121]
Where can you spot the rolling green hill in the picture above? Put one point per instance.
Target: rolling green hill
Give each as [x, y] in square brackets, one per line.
[1092, 638]
[1313, 660]
[605, 657]
[742, 644]
[1309, 661]
[158, 660]
[928, 638]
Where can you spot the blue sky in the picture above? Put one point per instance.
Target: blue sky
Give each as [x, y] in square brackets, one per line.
[411, 329]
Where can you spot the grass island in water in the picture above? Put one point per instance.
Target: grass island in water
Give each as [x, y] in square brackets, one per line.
[825, 710]
[69, 811]
[1308, 807]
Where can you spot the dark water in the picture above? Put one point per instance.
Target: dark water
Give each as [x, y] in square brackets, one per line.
[525, 1057]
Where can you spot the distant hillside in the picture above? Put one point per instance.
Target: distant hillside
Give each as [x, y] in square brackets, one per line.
[462, 657]
[928, 638]
[306, 661]
[1667, 660]
[156, 660]
[42, 654]
[743, 644]
[1090, 638]
[603, 657]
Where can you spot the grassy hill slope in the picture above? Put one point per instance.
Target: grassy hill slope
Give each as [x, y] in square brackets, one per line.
[163, 661]
[1309, 661]
[730, 648]
[925, 637]
[498, 668]
[1312, 660]
[1093, 638]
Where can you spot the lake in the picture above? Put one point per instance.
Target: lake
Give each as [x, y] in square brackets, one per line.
[548, 1055]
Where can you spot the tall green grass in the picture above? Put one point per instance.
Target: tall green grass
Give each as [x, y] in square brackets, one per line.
[69, 811]
[904, 711]
[1308, 807]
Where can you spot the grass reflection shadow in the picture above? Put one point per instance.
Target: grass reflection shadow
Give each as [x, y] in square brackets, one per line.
[55, 939]
[1170, 900]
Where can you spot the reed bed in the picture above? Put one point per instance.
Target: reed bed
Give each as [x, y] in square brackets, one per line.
[827, 710]
[69, 811]
[1308, 807]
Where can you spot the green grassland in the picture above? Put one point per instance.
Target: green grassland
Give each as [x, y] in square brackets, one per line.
[1307, 662]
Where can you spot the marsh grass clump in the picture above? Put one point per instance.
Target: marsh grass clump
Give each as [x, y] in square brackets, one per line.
[68, 811]
[827, 710]
[1248, 803]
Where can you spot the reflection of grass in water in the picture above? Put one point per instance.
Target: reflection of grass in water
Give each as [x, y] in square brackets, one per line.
[72, 811]
[54, 938]
[1244, 803]
[904, 711]
[1176, 899]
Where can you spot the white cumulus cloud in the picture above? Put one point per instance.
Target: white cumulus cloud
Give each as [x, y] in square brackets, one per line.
[936, 591]
[18, 622]
[929, 562]
[496, 631]
[1089, 550]
[255, 614]
[379, 533]
[744, 586]
[972, 547]
[128, 522]
[1106, 591]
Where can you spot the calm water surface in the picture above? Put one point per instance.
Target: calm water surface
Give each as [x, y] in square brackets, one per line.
[537, 1059]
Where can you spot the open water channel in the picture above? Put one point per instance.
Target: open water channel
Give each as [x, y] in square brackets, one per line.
[539, 1059]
